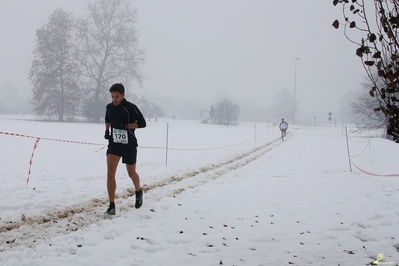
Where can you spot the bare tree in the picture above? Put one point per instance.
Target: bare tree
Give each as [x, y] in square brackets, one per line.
[151, 109]
[53, 75]
[378, 22]
[224, 112]
[108, 51]
[362, 110]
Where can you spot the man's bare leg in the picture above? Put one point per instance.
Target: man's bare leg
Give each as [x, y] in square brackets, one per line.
[131, 170]
[112, 164]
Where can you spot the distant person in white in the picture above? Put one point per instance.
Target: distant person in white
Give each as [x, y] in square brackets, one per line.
[283, 127]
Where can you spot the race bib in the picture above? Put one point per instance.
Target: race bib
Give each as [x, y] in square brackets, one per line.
[120, 136]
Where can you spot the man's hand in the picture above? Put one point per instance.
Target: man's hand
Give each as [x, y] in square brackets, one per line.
[106, 135]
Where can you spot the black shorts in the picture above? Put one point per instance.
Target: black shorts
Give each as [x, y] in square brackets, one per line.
[128, 154]
[283, 130]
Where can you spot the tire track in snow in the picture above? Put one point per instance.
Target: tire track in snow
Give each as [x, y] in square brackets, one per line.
[177, 184]
[29, 231]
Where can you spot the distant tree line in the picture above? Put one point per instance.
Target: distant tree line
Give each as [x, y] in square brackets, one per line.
[77, 59]
[13, 100]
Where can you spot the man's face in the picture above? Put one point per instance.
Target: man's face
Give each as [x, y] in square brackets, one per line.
[116, 97]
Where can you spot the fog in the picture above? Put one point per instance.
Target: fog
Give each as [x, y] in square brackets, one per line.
[204, 50]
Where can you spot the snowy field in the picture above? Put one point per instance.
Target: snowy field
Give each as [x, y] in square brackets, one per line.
[219, 196]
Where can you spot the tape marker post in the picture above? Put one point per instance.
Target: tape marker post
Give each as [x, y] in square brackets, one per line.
[31, 160]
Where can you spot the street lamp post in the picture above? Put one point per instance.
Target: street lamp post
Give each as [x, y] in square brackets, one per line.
[293, 117]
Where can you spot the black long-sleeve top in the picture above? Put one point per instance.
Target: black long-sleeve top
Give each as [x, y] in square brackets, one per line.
[119, 116]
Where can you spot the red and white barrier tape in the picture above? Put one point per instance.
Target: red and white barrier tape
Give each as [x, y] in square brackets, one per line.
[59, 140]
[97, 144]
[51, 139]
[368, 145]
[372, 174]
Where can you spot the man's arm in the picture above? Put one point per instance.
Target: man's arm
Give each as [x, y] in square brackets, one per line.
[140, 120]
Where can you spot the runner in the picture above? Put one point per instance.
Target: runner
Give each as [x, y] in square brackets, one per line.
[121, 120]
[283, 127]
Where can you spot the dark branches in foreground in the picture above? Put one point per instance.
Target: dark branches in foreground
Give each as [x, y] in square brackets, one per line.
[373, 27]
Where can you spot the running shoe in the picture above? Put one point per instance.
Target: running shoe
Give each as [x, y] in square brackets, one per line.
[139, 199]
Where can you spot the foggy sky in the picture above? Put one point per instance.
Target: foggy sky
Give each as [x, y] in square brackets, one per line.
[207, 49]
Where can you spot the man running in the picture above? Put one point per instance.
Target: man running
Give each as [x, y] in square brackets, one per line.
[121, 120]
[283, 127]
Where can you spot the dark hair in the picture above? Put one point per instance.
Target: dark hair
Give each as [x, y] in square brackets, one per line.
[118, 87]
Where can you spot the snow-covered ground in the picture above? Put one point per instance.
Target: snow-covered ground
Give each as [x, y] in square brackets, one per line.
[219, 196]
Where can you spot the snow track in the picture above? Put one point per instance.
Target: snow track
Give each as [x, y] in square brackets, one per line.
[35, 229]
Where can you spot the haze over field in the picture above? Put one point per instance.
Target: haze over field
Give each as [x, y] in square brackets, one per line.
[203, 50]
